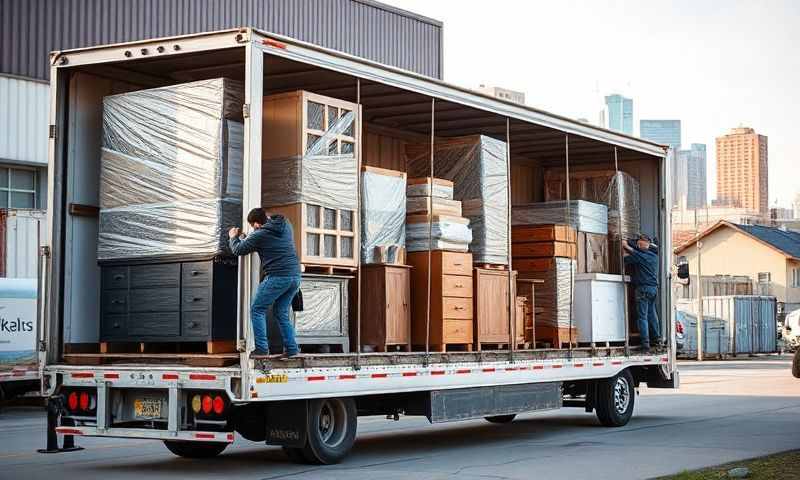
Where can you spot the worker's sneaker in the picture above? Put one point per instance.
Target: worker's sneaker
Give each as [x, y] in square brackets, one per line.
[645, 349]
[258, 353]
[287, 355]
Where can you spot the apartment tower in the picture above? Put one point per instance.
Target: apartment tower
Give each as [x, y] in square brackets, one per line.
[742, 170]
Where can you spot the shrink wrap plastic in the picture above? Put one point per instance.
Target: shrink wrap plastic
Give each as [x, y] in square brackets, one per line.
[171, 170]
[583, 216]
[383, 213]
[477, 166]
[324, 175]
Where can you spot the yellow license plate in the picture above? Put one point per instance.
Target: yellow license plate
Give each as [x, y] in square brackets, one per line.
[147, 408]
[277, 378]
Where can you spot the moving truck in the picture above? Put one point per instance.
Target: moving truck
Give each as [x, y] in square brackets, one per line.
[198, 403]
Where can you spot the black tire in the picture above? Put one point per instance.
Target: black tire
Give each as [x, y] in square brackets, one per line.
[332, 424]
[195, 449]
[615, 399]
[295, 454]
[501, 418]
[796, 363]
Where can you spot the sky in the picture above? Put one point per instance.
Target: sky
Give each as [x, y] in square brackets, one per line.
[713, 64]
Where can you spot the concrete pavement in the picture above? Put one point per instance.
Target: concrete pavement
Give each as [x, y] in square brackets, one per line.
[723, 412]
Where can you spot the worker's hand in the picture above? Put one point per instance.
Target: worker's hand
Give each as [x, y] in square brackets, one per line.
[626, 247]
[234, 232]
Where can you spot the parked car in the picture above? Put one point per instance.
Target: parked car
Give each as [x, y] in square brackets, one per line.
[791, 330]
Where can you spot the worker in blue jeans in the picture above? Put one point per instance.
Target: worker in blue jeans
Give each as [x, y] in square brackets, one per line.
[645, 280]
[273, 240]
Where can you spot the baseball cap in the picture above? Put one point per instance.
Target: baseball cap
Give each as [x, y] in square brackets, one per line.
[643, 236]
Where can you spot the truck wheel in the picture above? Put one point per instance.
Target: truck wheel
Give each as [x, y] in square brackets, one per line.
[501, 418]
[296, 455]
[195, 449]
[332, 424]
[615, 399]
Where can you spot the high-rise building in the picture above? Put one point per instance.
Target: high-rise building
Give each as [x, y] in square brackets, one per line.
[696, 176]
[618, 114]
[504, 93]
[742, 170]
[668, 132]
[796, 205]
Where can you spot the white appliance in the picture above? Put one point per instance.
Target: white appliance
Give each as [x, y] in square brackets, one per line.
[600, 307]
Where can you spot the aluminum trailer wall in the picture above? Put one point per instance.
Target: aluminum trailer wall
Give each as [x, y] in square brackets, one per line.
[31, 29]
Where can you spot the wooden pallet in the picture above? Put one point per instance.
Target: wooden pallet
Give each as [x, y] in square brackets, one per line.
[500, 346]
[556, 337]
[189, 359]
[491, 266]
[389, 347]
[327, 269]
[444, 347]
[210, 347]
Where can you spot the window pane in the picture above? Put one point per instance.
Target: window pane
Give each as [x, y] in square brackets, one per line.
[346, 220]
[3, 199]
[3, 178]
[330, 219]
[312, 216]
[330, 246]
[347, 247]
[21, 200]
[333, 115]
[316, 115]
[312, 244]
[311, 141]
[348, 130]
[22, 179]
[332, 147]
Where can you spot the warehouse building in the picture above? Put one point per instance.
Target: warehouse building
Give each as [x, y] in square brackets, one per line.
[32, 29]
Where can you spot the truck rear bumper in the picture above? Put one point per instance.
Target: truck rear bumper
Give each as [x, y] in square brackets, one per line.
[143, 433]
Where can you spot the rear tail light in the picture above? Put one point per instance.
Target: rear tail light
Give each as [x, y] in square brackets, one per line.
[219, 405]
[207, 404]
[197, 404]
[84, 401]
[72, 401]
[81, 401]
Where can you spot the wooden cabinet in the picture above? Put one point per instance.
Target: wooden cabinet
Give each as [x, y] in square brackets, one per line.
[386, 306]
[169, 302]
[309, 173]
[491, 305]
[451, 309]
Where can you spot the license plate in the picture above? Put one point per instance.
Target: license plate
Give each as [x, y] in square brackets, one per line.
[147, 408]
[274, 378]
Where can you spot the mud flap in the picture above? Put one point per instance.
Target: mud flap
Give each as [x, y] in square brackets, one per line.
[287, 423]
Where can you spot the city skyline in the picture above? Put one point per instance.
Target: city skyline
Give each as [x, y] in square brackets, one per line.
[637, 59]
[742, 169]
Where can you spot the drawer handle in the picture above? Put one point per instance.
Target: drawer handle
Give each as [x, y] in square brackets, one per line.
[119, 276]
[457, 264]
[196, 299]
[193, 324]
[117, 302]
[195, 273]
[116, 325]
[458, 308]
[458, 285]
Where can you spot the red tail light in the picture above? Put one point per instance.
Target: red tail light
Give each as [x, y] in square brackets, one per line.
[72, 401]
[219, 405]
[207, 404]
[84, 401]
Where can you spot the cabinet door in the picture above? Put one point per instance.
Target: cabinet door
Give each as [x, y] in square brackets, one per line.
[491, 307]
[398, 299]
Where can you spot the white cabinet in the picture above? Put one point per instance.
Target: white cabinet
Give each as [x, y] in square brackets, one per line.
[600, 307]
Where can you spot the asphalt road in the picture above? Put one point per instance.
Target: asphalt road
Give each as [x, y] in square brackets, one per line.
[723, 412]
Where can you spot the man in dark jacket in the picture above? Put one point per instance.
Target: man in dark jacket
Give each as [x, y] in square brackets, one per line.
[645, 279]
[273, 240]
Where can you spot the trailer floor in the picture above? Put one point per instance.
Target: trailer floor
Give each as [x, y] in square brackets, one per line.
[347, 359]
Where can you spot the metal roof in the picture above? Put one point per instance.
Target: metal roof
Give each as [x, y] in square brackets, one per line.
[29, 29]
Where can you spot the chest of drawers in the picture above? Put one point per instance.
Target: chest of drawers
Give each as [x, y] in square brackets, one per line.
[451, 310]
[168, 302]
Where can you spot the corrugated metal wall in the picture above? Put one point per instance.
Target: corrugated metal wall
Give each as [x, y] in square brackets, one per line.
[30, 29]
[23, 121]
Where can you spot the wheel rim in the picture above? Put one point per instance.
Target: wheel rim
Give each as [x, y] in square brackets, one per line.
[622, 395]
[332, 423]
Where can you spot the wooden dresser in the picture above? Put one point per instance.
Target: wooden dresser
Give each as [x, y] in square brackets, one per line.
[451, 318]
[169, 302]
[386, 306]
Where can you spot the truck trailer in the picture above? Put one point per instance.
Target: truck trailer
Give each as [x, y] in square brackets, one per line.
[197, 403]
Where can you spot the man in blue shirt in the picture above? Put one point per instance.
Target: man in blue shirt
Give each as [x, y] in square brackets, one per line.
[645, 279]
[273, 240]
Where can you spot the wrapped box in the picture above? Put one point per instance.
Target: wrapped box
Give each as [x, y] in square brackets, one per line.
[446, 233]
[383, 215]
[171, 170]
[478, 167]
[433, 206]
[582, 215]
[555, 296]
[421, 187]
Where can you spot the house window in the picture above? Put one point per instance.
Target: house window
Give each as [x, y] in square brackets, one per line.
[764, 277]
[17, 188]
[796, 277]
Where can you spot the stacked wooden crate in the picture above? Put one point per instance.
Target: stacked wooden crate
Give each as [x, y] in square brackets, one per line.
[548, 253]
[491, 306]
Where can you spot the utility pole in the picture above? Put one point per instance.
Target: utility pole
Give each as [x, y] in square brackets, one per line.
[699, 247]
